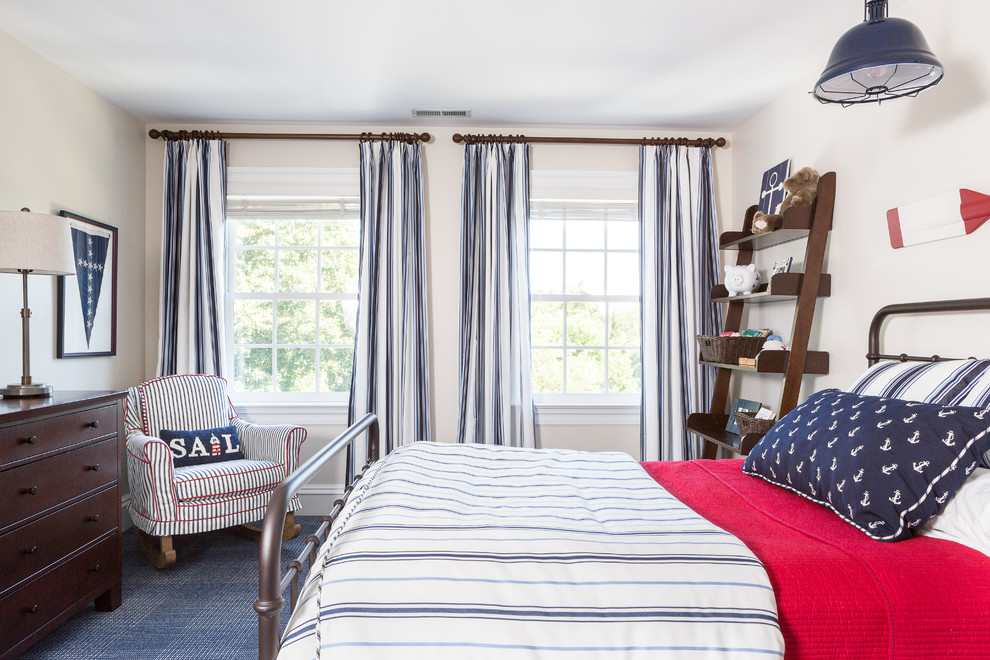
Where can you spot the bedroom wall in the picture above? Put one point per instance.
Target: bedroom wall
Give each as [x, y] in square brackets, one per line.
[884, 156]
[62, 146]
[443, 160]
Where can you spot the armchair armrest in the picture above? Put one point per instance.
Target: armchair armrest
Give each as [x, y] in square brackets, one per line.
[278, 444]
[150, 471]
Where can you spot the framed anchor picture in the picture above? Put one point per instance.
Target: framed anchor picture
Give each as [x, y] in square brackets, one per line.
[87, 303]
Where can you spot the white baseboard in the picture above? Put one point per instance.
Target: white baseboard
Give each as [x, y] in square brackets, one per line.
[317, 500]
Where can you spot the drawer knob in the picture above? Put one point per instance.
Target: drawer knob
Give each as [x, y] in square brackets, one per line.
[31, 610]
[94, 424]
[33, 490]
[29, 441]
[95, 467]
[33, 550]
[94, 518]
[95, 569]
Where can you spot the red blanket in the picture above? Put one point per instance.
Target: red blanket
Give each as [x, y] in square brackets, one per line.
[839, 593]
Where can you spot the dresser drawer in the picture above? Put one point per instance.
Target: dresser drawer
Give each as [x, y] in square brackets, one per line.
[28, 549]
[35, 487]
[28, 439]
[36, 603]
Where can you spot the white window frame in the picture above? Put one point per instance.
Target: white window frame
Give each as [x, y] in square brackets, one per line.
[585, 408]
[317, 183]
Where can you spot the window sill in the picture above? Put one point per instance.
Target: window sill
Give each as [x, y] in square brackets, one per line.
[587, 414]
[308, 413]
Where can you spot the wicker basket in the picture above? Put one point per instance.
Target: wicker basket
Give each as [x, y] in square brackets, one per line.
[728, 350]
[749, 424]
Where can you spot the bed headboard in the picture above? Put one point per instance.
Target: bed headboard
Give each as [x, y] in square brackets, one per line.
[874, 355]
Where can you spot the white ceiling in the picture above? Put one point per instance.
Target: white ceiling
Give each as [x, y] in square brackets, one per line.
[679, 64]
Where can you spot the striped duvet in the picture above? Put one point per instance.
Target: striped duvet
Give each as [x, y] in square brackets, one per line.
[470, 551]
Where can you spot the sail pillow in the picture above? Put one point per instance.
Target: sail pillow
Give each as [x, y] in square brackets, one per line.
[886, 466]
[206, 446]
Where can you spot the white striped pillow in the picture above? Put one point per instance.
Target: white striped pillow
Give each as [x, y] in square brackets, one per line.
[950, 383]
[946, 383]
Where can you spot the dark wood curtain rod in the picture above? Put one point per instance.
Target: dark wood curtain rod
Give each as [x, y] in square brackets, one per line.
[155, 134]
[679, 142]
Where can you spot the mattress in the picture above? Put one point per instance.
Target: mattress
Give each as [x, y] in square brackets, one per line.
[839, 593]
[452, 551]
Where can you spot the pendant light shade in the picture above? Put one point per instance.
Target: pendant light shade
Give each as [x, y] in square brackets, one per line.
[881, 58]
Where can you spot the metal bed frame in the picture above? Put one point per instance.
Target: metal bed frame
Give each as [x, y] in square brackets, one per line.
[271, 583]
[964, 305]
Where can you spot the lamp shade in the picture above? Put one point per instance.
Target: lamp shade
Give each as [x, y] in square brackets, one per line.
[879, 59]
[35, 242]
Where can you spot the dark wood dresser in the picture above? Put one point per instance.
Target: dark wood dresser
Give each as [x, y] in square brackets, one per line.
[60, 549]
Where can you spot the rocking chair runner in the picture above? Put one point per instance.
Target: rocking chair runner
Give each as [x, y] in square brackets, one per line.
[166, 500]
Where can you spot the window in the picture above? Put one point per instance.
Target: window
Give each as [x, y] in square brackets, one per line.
[292, 276]
[584, 283]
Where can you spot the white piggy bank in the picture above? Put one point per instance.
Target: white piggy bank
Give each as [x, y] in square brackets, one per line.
[741, 279]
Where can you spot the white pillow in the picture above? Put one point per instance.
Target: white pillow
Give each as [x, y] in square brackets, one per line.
[946, 383]
[966, 517]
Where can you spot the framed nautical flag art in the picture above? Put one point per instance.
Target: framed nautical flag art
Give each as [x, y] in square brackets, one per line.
[772, 191]
[87, 302]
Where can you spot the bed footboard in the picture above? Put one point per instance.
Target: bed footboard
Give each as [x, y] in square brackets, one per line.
[271, 583]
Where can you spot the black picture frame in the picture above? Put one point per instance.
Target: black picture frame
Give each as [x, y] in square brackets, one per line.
[71, 338]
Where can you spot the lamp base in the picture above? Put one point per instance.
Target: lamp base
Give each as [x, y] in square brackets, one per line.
[16, 390]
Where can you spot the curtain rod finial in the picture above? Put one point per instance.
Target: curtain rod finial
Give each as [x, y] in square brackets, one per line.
[154, 134]
[458, 138]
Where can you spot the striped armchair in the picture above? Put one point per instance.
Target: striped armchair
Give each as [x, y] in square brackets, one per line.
[167, 500]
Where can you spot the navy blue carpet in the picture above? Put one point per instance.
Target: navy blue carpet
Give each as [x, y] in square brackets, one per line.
[198, 609]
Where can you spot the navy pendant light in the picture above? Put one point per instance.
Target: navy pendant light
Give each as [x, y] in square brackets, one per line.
[881, 58]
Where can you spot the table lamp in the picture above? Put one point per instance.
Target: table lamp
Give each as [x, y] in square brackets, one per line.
[37, 244]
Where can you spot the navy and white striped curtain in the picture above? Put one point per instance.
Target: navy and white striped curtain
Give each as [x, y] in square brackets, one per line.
[191, 333]
[679, 265]
[391, 368]
[496, 397]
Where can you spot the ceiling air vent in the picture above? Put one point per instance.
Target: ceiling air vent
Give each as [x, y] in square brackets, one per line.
[440, 113]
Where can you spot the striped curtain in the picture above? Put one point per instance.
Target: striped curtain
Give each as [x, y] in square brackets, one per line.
[391, 368]
[496, 398]
[191, 334]
[679, 265]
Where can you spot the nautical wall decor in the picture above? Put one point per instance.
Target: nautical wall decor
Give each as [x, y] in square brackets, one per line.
[87, 303]
[772, 191]
[956, 213]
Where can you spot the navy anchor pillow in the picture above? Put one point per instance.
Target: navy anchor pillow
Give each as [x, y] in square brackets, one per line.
[207, 446]
[884, 465]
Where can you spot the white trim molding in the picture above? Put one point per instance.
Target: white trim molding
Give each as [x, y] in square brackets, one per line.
[302, 414]
[587, 414]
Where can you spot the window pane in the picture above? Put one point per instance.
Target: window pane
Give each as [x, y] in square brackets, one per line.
[546, 272]
[584, 234]
[296, 369]
[623, 274]
[548, 370]
[297, 271]
[586, 371]
[252, 321]
[335, 365]
[623, 236]
[337, 321]
[623, 324]
[253, 369]
[296, 322]
[585, 324]
[546, 234]
[340, 271]
[344, 233]
[586, 273]
[255, 271]
[254, 232]
[297, 232]
[624, 371]
[547, 323]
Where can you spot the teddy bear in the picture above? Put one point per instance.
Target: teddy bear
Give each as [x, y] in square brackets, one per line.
[802, 186]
